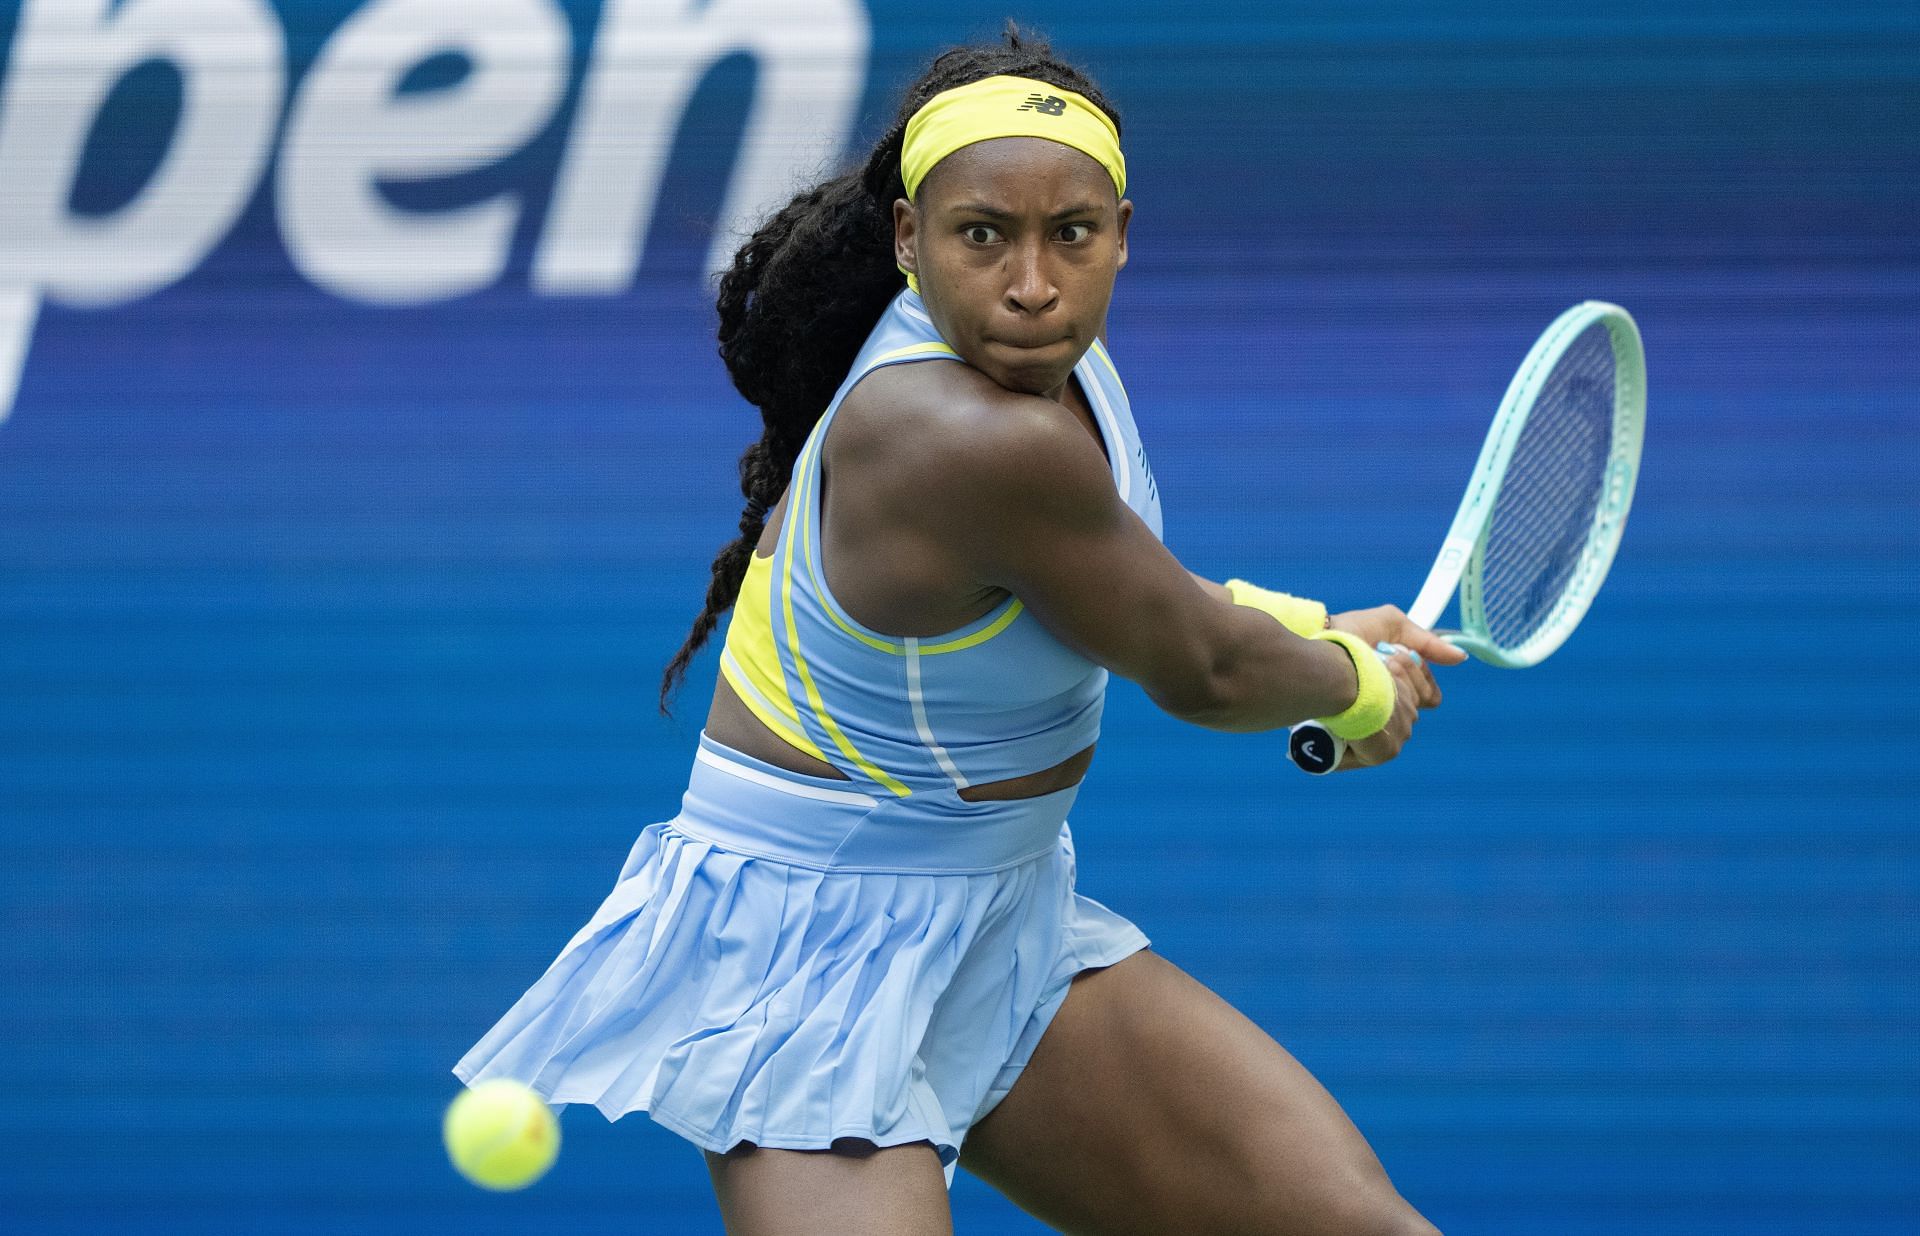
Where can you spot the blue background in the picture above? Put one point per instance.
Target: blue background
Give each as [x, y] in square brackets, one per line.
[329, 637]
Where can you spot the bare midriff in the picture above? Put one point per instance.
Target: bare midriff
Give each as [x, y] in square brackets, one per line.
[732, 724]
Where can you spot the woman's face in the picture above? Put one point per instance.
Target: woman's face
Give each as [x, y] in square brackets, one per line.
[1015, 243]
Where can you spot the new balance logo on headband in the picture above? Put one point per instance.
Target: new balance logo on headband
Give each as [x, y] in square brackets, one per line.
[1049, 104]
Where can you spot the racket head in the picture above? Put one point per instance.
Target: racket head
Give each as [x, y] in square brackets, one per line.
[1554, 483]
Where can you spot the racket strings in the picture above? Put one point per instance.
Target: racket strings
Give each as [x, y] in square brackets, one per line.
[1554, 482]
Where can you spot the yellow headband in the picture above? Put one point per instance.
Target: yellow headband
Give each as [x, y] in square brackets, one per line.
[1006, 106]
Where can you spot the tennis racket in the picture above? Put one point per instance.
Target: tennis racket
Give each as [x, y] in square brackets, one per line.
[1537, 530]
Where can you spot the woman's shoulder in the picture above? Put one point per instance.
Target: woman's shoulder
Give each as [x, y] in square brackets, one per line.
[939, 440]
[942, 415]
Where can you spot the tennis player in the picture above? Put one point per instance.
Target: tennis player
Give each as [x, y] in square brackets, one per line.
[856, 957]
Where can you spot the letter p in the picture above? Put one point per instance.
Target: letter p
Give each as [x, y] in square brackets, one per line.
[67, 57]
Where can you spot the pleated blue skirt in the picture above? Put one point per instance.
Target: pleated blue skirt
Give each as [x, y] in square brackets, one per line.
[789, 961]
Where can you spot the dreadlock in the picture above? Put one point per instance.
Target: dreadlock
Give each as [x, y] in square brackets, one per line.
[805, 290]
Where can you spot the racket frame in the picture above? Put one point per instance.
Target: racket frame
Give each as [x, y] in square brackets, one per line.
[1461, 562]
[1462, 558]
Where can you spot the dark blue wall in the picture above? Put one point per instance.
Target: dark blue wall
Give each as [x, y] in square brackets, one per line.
[329, 635]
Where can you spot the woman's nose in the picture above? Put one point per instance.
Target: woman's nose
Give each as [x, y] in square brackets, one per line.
[1029, 288]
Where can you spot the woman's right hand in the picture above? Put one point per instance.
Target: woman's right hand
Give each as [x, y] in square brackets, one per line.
[1380, 747]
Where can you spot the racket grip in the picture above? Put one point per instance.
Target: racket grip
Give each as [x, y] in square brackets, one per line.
[1313, 747]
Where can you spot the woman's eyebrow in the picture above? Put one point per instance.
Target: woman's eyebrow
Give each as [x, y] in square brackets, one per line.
[995, 212]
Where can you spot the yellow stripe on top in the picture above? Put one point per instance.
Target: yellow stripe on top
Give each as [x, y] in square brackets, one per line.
[900, 650]
[801, 496]
[978, 637]
[912, 349]
[1100, 350]
[751, 663]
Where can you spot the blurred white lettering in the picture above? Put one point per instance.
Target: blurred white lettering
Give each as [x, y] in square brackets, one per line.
[349, 128]
[648, 60]
[68, 55]
[18, 309]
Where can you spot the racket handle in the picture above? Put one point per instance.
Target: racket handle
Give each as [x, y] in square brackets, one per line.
[1313, 747]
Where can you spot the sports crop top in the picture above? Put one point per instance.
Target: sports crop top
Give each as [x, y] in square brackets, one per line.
[997, 698]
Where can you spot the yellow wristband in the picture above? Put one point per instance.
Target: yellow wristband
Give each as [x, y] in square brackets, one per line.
[1296, 614]
[1373, 703]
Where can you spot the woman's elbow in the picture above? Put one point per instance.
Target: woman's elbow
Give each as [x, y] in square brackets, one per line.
[1208, 694]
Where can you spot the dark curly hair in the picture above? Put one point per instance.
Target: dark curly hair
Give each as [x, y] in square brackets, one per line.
[806, 290]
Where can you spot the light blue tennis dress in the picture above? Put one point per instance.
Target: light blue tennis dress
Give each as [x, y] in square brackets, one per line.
[794, 959]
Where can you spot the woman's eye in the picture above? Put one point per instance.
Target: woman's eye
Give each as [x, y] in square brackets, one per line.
[1074, 233]
[981, 234]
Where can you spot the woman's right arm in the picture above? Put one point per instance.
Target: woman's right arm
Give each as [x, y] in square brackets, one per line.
[1020, 497]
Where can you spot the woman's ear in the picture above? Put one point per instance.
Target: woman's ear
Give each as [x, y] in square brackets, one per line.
[1126, 216]
[906, 235]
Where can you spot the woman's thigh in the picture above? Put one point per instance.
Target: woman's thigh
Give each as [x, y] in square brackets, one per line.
[1153, 1106]
[851, 1190]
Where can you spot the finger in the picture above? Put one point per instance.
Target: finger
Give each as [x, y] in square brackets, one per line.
[1426, 692]
[1431, 646]
[1429, 687]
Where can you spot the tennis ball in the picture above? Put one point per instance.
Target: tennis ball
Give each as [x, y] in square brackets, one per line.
[501, 1135]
